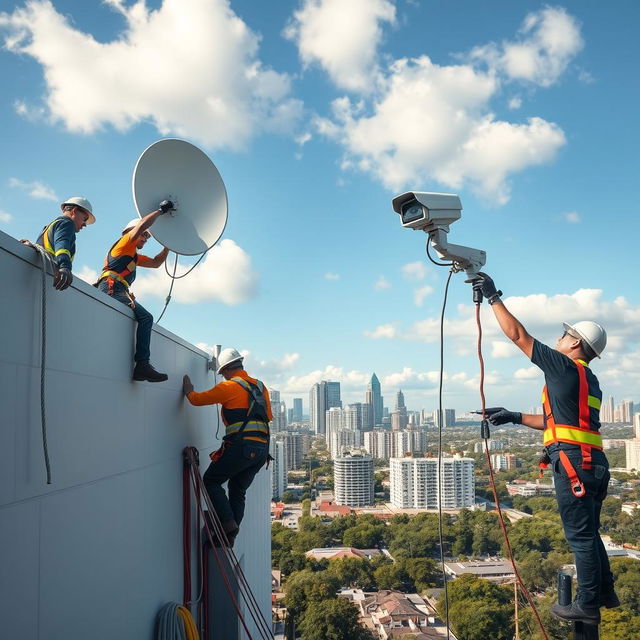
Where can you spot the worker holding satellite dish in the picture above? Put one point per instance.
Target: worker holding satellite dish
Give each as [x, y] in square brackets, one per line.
[119, 272]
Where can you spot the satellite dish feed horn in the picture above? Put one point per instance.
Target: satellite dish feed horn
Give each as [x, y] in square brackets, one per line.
[177, 170]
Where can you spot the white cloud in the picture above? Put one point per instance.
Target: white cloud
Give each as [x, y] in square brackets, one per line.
[529, 373]
[515, 102]
[383, 331]
[36, 189]
[426, 122]
[332, 276]
[572, 216]
[190, 67]
[5, 217]
[225, 275]
[502, 349]
[342, 37]
[415, 271]
[433, 122]
[87, 274]
[348, 379]
[549, 40]
[382, 283]
[420, 294]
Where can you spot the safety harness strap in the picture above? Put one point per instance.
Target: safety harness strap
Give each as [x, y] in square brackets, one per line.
[577, 488]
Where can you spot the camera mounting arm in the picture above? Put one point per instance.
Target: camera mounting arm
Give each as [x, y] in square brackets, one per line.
[463, 258]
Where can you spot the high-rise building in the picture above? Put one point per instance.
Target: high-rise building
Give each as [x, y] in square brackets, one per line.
[632, 451]
[322, 396]
[400, 401]
[293, 445]
[353, 480]
[636, 424]
[503, 461]
[414, 483]
[334, 420]
[377, 400]
[607, 411]
[378, 443]
[449, 417]
[626, 412]
[357, 416]
[333, 395]
[342, 441]
[318, 407]
[297, 410]
[279, 412]
[278, 466]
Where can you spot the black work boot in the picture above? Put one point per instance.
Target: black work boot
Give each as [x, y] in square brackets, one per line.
[145, 371]
[231, 528]
[576, 613]
[610, 600]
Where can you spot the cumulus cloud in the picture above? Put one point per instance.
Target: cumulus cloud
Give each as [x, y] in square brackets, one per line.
[528, 373]
[502, 349]
[87, 274]
[420, 294]
[342, 37]
[348, 379]
[547, 42]
[225, 275]
[383, 331]
[515, 102]
[332, 276]
[36, 189]
[426, 122]
[226, 96]
[5, 217]
[381, 283]
[571, 216]
[415, 271]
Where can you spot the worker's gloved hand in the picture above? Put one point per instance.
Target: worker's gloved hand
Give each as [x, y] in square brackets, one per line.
[187, 387]
[166, 205]
[62, 279]
[484, 283]
[500, 415]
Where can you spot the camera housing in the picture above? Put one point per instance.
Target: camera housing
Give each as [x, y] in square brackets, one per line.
[427, 211]
[433, 213]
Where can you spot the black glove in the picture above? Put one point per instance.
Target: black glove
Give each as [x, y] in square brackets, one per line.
[166, 205]
[486, 286]
[500, 415]
[62, 279]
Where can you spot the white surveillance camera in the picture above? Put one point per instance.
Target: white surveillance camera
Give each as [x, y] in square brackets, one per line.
[427, 211]
[433, 213]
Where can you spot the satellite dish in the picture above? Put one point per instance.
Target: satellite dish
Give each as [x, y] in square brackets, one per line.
[177, 170]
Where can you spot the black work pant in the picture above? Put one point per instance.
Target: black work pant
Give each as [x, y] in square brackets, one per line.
[238, 465]
[581, 521]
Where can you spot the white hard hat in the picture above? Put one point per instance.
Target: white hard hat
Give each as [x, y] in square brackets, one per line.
[83, 203]
[591, 332]
[226, 357]
[132, 223]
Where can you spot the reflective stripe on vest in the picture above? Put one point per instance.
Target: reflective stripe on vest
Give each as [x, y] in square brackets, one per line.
[580, 434]
[109, 269]
[252, 426]
[48, 245]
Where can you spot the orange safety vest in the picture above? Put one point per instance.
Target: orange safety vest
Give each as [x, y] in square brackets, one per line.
[119, 268]
[582, 434]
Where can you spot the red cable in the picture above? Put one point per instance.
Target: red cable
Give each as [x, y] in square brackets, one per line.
[241, 580]
[186, 537]
[223, 573]
[493, 483]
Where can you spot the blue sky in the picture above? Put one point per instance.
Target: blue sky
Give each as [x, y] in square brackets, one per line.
[317, 113]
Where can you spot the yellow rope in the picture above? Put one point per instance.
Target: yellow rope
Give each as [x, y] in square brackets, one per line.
[189, 623]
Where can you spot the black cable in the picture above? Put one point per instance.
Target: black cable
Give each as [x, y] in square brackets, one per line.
[440, 264]
[173, 279]
[440, 421]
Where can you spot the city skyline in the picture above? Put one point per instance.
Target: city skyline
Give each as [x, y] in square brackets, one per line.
[313, 140]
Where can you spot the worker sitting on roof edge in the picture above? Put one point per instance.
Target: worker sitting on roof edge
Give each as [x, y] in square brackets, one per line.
[246, 413]
[573, 446]
[119, 272]
[58, 238]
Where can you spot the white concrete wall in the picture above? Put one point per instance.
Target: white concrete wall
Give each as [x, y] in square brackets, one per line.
[95, 554]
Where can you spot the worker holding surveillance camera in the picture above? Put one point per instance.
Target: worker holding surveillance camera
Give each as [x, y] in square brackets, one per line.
[571, 426]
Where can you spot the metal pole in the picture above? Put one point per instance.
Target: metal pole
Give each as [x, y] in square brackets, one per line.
[515, 595]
